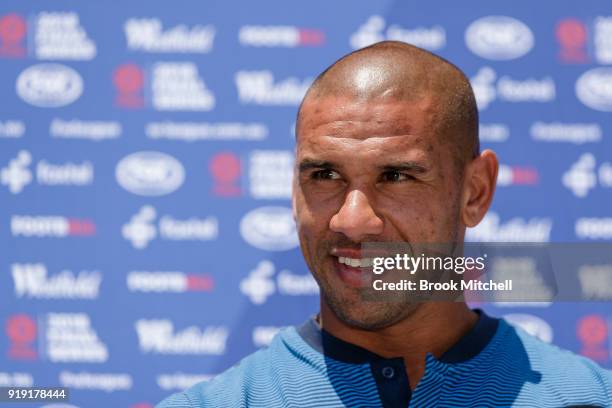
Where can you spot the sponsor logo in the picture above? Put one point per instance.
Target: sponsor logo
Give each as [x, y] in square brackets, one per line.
[577, 133]
[180, 381]
[517, 229]
[95, 381]
[582, 176]
[198, 131]
[280, 36]
[12, 129]
[572, 37]
[373, 31]
[592, 331]
[487, 88]
[17, 174]
[70, 338]
[270, 174]
[129, 82]
[59, 35]
[148, 35]
[259, 88]
[594, 89]
[49, 85]
[533, 325]
[88, 130]
[150, 173]
[51, 226]
[517, 175]
[21, 330]
[260, 283]
[263, 335]
[16, 379]
[157, 336]
[225, 170]
[13, 30]
[270, 229]
[493, 132]
[178, 86]
[603, 39]
[596, 281]
[141, 228]
[527, 278]
[593, 228]
[168, 282]
[31, 281]
[499, 38]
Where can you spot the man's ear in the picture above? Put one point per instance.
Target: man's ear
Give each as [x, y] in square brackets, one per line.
[478, 187]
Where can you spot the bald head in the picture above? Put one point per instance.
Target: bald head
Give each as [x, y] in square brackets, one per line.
[396, 71]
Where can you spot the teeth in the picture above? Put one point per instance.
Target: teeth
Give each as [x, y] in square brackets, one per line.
[364, 262]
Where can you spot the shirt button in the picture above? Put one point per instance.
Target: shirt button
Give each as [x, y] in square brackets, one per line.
[388, 372]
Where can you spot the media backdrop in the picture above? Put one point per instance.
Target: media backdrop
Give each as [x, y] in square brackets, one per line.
[146, 237]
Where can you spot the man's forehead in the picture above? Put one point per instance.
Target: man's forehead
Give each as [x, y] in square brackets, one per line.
[344, 116]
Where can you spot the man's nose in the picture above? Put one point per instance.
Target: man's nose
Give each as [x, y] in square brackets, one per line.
[356, 218]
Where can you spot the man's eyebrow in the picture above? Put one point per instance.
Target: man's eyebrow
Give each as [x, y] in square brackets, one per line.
[308, 164]
[409, 166]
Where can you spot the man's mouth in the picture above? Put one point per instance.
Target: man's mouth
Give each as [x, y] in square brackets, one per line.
[356, 262]
[354, 272]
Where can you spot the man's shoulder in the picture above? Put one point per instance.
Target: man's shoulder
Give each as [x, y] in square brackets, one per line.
[231, 387]
[551, 368]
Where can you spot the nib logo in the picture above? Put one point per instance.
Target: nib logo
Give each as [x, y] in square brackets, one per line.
[17, 175]
[580, 178]
[259, 284]
[140, 230]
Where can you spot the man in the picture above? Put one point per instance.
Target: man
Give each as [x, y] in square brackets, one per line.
[388, 151]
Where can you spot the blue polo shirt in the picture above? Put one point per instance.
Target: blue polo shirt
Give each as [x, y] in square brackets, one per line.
[493, 365]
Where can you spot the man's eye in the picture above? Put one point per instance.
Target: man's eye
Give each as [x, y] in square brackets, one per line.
[325, 175]
[395, 177]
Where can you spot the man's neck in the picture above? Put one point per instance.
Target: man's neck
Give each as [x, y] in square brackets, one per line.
[434, 327]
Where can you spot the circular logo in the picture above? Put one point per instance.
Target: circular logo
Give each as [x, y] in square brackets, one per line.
[128, 78]
[49, 85]
[270, 229]
[594, 89]
[499, 38]
[150, 173]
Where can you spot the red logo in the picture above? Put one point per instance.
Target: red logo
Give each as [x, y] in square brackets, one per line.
[310, 37]
[81, 227]
[200, 283]
[592, 332]
[572, 36]
[225, 169]
[21, 331]
[12, 33]
[129, 81]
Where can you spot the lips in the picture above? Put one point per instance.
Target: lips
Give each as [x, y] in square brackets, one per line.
[353, 276]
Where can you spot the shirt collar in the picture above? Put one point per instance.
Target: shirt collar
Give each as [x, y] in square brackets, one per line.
[472, 343]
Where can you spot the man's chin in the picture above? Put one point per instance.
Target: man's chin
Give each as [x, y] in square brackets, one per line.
[370, 316]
